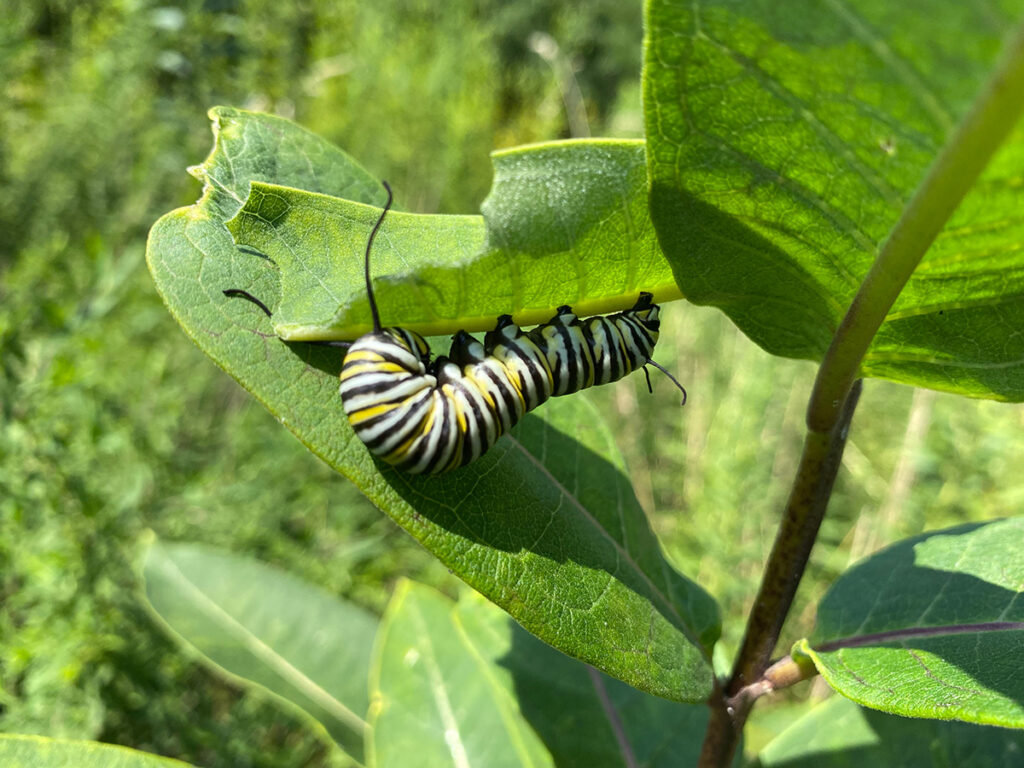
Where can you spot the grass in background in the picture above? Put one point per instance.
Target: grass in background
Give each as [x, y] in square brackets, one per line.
[111, 422]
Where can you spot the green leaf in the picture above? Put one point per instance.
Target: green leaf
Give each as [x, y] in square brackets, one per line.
[250, 146]
[18, 751]
[437, 697]
[546, 524]
[931, 627]
[565, 223]
[784, 141]
[839, 734]
[451, 677]
[260, 626]
[583, 716]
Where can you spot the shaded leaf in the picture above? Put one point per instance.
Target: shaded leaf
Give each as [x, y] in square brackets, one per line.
[264, 627]
[931, 627]
[839, 734]
[785, 140]
[505, 689]
[436, 698]
[18, 751]
[546, 524]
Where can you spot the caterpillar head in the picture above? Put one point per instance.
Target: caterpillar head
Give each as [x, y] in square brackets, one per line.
[646, 311]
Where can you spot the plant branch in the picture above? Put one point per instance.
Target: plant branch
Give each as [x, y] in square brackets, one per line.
[967, 152]
[805, 509]
[804, 512]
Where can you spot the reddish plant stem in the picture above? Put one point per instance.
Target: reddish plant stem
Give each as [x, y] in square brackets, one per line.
[805, 509]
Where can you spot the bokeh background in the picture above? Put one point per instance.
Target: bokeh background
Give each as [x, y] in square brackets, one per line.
[112, 423]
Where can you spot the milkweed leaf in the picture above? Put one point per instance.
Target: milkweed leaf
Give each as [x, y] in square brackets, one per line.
[931, 627]
[265, 628]
[785, 140]
[17, 751]
[464, 677]
[546, 524]
[839, 734]
[565, 223]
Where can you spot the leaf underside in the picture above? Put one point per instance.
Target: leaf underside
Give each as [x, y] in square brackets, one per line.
[784, 141]
[546, 524]
[565, 223]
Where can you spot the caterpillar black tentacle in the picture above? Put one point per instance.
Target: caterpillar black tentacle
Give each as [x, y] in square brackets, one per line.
[430, 416]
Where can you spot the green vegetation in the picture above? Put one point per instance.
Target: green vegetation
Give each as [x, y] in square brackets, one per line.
[112, 423]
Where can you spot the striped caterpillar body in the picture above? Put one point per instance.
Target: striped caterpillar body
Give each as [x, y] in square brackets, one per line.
[429, 417]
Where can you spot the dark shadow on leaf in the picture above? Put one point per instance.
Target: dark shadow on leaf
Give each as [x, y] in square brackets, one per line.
[565, 703]
[950, 599]
[718, 261]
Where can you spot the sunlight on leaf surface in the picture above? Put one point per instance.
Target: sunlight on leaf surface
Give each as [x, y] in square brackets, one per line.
[452, 676]
[785, 139]
[39, 752]
[839, 734]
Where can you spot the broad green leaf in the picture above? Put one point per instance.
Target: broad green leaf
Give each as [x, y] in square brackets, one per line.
[263, 627]
[504, 689]
[565, 223]
[437, 696]
[931, 627]
[839, 734]
[583, 716]
[18, 751]
[546, 524]
[785, 140]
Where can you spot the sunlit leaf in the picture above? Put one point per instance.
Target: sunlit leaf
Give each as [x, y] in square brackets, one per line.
[464, 676]
[565, 223]
[435, 697]
[931, 627]
[785, 140]
[839, 734]
[18, 751]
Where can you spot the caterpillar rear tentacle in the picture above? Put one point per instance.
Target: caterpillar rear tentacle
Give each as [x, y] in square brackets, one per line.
[431, 416]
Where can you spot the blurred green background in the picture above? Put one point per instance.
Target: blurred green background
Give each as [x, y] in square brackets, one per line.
[111, 422]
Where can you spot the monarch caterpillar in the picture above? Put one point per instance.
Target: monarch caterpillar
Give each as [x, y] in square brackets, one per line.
[429, 417]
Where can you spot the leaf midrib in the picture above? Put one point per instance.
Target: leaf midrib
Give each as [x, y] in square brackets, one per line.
[285, 669]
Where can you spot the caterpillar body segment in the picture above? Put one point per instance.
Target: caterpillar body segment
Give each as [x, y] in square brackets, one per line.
[430, 417]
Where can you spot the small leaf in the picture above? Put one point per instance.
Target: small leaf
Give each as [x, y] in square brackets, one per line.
[502, 689]
[931, 627]
[784, 142]
[565, 223]
[839, 734]
[18, 751]
[546, 524]
[263, 627]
